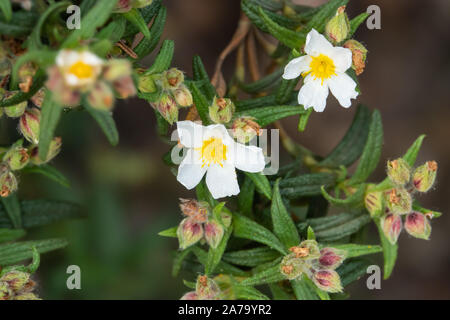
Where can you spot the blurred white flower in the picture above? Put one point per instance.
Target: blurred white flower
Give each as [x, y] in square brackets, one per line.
[79, 68]
[323, 67]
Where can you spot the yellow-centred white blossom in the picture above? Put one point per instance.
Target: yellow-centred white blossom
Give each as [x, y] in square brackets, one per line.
[212, 151]
[323, 68]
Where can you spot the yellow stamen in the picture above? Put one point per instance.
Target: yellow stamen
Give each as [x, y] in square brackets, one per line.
[213, 151]
[322, 67]
[81, 70]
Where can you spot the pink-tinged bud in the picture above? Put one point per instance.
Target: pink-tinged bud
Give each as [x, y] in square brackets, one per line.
[183, 96]
[221, 110]
[38, 98]
[17, 158]
[424, 176]
[331, 258]
[29, 125]
[26, 296]
[123, 6]
[207, 289]
[398, 171]
[101, 96]
[417, 225]
[61, 93]
[26, 73]
[191, 295]
[5, 292]
[245, 129]
[338, 28]
[213, 233]
[17, 110]
[391, 224]
[327, 280]
[359, 55]
[292, 267]
[172, 79]
[196, 210]
[53, 151]
[374, 202]
[167, 107]
[189, 232]
[8, 182]
[18, 281]
[307, 250]
[399, 201]
[124, 87]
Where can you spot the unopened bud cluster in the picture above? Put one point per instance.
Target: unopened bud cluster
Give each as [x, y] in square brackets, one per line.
[206, 289]
[391, 205]
[17, 285]
[317, 264]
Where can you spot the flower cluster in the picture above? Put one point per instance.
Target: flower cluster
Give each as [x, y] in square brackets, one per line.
[205, 289]
[79, 74]
[317, 264]
[17, 285]
[390, 205]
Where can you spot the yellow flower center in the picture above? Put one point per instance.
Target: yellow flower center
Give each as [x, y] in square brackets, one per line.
[213, 151]
[81, 70]
[322, 67]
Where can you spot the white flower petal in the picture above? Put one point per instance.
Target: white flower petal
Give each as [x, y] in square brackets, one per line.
[190, 171]
[313, 94]
[90, 58]
[317, 44]
[343, 88]
[296, 67]
[217, 131]
[190, 134]
[249, 158]
[72, 79]
[222, 181]
[66, 58]
[342, 58]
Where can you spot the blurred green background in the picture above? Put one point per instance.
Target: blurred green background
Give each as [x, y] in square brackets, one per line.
[129, 195]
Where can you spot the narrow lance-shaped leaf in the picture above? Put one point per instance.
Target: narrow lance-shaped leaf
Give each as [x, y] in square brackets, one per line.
[11, 234]
[266, 115]
[106, 122]
[262, 183]
[50, 114]
[50, 172]
[5, 7]
[215, 255]
[134, 16]
[146, 46]
[163, 59]
[389, 252]
[12, 207]
[268, 275]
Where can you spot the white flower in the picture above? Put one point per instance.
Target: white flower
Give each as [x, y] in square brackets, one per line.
[211, 150]
[79, 68]
[323, 67]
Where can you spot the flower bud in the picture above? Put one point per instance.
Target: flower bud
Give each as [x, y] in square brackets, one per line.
[141, 3]
[374, 202]
[206, 288]
[359, 55]
[115, 69]
[331, 258]
[146, 84]
[183, 96]
[417, 225]
[327, 280]
[38, 98]
[53, 151]
[424, 176]
[226, 218]
[221, 110]
[213, 233]
[191, 295]
[391, 224]
[338, 28]
[101, 96]
[17, 110]
[398, 171]
[291, 267]
[26, 73]
[8, 183]
[29, 125]
[5, 291]
[123, 6]
[172, 79]
[167, 107]
[189, 232]
[27, 296]
[17, 157]
[18, 281]
[124, 87]
[245, 129]
[308, 249]
[399, 201]
[197, 210]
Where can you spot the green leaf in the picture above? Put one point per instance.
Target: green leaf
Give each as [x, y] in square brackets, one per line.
[201, 103]
[372, 150]
[113, 31]
[222, 267]
[264, 83]
[351, 146]
[163, 59]
[248, 293]
[251, 257]
[21, 24]
[278, 292]
[290, 38]
[96, 17]
[50, 172]
[251, 10]
[252, 103]
[353, 201]
[37, 213]
[262, 183]
[352, 270]
[310, 235]
[106, 122]
[215, 255]
[306, 185]
[135, 18]
[356, 250]
[11, 234]
[411, 155]
[268, 275]
[248, 229]
[12, 206]
[245, 197]
[178, 261]
[171, 232]
[303, 289]
[38, 82]
[200, 74]
[266, 115]
[146, 46]
[50, 114]
[283, 226]
[5, 7]
[434, 214]
[389, 252]
[303, 120]
[12, 253]
[356, 22]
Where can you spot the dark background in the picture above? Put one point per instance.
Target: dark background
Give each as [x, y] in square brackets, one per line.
[131, 195]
